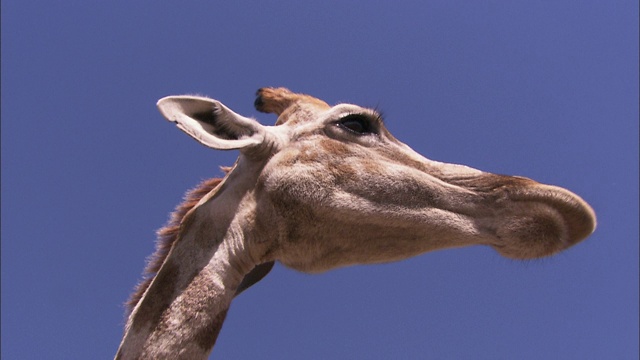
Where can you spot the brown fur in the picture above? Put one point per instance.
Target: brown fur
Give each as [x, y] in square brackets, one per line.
[153, 310]
[207, 337]
[280, 100]
[168, 235]
[323, 198]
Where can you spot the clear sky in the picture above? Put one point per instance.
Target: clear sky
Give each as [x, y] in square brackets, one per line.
[90, 169]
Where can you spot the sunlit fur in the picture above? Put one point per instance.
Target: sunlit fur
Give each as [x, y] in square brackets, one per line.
[315, 194]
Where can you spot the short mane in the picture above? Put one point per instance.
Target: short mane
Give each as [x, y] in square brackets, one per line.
[168, 235]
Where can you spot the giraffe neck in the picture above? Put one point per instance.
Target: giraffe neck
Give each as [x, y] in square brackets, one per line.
[182, 311]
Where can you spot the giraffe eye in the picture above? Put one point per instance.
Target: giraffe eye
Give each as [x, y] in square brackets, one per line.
[358, 124]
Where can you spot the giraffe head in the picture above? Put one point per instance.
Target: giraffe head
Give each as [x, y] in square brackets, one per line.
[336, 188]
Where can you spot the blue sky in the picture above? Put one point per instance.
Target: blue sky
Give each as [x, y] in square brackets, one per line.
[544, 89]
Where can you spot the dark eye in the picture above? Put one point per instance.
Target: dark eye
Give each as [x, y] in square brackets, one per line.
[358, 124]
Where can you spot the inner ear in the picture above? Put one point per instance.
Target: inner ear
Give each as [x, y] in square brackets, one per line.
[219, 126]
[211, 123]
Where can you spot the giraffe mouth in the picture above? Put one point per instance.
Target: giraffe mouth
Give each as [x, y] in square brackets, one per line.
[540, 220]
[519, 217]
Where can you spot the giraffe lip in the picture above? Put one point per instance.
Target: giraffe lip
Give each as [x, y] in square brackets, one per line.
[541, 220]
[523, 218]
[578, 216]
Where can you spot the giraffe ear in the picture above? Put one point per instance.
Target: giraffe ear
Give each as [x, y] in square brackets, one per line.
[211, 123]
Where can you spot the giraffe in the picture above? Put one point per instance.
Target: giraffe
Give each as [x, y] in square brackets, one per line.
[325, 187]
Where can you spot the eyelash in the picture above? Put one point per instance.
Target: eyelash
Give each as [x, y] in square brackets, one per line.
[357, 124]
